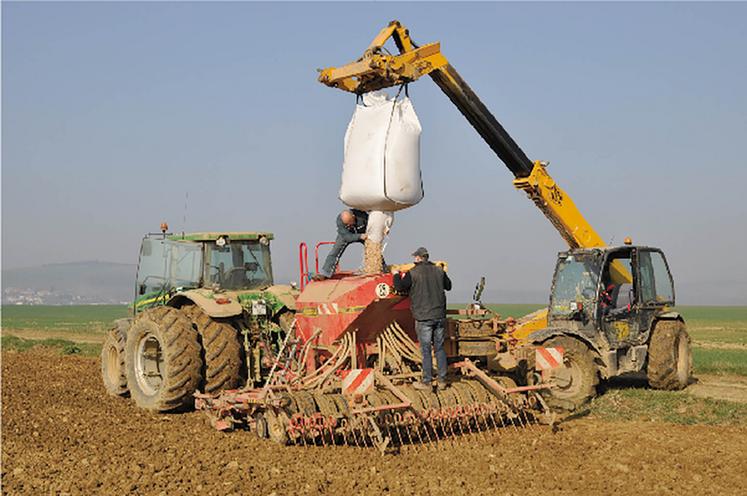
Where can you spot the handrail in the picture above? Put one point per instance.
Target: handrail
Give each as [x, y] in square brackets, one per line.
[316, 253]
[303, 263]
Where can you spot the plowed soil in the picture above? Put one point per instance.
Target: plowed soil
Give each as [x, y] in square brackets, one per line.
[62, 434]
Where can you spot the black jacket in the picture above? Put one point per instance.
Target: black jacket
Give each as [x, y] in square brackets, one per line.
[426, 283]
[352, 233]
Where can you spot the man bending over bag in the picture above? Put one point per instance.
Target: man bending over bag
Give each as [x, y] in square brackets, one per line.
[351, 228]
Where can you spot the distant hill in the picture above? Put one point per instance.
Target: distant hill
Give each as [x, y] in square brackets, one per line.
[67, 283]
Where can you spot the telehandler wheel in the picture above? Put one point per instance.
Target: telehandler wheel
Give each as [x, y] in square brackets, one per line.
[162, 357]
[670, 360]
[222, 351]
[113, 370]
[576, 381]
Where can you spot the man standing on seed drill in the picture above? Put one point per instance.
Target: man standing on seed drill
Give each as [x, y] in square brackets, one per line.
[426, 284]
[351, 228]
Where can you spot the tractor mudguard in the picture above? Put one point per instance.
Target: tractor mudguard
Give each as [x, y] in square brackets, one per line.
[543, 335]
[671, 315]
[605, 359]
[217, 305]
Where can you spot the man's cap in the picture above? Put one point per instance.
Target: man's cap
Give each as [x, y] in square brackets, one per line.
[420, 252]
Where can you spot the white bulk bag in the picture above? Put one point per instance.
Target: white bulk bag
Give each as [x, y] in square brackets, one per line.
[381, 169]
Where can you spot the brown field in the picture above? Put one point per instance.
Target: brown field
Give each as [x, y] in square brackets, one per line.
[62, 434]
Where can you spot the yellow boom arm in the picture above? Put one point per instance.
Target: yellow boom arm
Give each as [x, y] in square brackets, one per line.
[377, 69]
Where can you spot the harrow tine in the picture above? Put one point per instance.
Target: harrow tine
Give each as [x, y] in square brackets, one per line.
[399, 434]
[481, 432]
[451, 428]
[418, 424]
[489, 415]
[354, 430]
[321, 436]
[409, 435]
[481, 413]
[527, 423]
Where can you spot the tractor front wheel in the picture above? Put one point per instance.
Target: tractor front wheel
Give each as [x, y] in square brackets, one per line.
[670, 360]
[162, 357]
[574, 383]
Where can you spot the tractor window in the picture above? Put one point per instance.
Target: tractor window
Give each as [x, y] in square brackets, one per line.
[186, 264]
[239, 265]
[151, 274]
[576, 279]
[617, 289]
[656, 283]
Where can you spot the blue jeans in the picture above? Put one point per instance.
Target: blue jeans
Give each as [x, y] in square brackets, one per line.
[330, 264]
[432, 331]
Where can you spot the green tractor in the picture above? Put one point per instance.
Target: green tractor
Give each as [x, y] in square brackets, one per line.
[206, 317]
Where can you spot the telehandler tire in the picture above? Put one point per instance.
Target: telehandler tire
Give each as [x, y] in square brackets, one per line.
[576, 381]
[670, 359]
[163, 362]
[222, 351]
[113, 371]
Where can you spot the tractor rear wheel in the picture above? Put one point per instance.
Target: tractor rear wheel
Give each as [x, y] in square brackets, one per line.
[670, 360]
[222, 351]
[575, 381]
[113, 370]
[162, 357]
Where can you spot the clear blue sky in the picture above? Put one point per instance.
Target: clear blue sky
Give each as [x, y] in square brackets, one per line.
[111, 112]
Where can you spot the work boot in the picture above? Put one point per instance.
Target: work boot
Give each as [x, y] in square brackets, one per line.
[319, 277]
[422, 386]
[442, 385]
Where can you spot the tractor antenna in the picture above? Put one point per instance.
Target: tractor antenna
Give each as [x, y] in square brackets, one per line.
[184, 219]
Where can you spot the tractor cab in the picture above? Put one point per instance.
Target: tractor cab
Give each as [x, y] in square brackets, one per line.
[219, 262]
[611, 294]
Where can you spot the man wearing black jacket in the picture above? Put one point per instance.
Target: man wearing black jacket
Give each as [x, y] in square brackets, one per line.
[426, 284]
[351, 228]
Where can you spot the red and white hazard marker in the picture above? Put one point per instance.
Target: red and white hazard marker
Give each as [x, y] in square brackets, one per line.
[328, 309]
[357, 381]
[548, 358]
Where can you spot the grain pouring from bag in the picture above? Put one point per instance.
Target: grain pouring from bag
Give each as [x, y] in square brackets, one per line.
[381, 168]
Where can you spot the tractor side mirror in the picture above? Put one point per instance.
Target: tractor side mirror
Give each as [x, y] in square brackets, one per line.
[141, 289]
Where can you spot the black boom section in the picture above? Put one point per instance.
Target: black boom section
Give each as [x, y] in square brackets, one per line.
[469, 104]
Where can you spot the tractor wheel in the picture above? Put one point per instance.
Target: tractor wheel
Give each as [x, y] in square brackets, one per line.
[162, 357]
[670, 360]
[576, 381]
[113, 370]
[222, 351]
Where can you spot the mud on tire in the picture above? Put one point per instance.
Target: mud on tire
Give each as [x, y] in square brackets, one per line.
[113, 371]
[162, 358]
[670, 361]
[577, 380]
[222, 351]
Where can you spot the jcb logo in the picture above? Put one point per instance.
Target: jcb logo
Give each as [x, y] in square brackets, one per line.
[623, 330]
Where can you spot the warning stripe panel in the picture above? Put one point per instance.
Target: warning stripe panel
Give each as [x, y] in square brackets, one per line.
[548, 358]
[358, 381]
